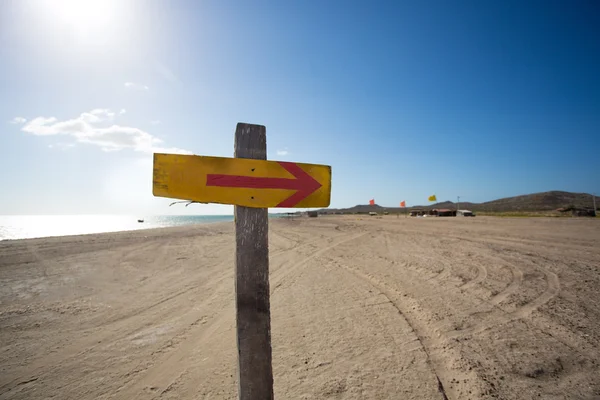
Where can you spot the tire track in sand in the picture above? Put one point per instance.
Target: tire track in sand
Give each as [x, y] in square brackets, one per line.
[431, 345]
[276, 281]
[551, 291]
[434, 276]
[553, 287]
[445, 273]
[513, 286]
[479, 278]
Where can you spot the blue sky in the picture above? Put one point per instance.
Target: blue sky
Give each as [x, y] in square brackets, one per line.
[403, 99]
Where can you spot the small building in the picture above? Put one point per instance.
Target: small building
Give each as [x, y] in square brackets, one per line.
[313, 214]
[444, 212]
[465, 213]
[372, 213]
[578, 212]
[416, 212]
[291, 215]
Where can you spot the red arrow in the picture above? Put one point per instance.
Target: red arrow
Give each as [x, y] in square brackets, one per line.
[303, 183]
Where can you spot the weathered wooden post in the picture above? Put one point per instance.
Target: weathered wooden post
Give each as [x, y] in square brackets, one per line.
[253, 311]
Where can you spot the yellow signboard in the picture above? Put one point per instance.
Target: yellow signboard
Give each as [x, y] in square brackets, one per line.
[241, 181]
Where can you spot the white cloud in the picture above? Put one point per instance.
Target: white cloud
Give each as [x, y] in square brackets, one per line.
[283, 152]
[171, 150]
[155, 122]
[39, 126]
[18, 120]
[136, 86]
[86, 129]
[123, 111]
[98, 115]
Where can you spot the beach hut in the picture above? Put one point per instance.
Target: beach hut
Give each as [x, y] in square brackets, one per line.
[445, 212]
[464, 213]
[415, 212]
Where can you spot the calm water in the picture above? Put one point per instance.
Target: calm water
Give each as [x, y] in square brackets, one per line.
[35, 226]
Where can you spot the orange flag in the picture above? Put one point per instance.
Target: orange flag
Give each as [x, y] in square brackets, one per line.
[403, 203]
[372, 202]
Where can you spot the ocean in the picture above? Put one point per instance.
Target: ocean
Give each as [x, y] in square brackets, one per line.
[37, 226]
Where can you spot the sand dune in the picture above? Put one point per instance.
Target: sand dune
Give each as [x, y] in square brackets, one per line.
[362, 308]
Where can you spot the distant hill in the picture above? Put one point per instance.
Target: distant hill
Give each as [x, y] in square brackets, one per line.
[545, 201]
[364, 208]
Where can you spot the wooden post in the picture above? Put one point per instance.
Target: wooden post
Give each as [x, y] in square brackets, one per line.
[253, 311]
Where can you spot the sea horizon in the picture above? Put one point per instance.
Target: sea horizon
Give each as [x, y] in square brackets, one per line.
[14, 227]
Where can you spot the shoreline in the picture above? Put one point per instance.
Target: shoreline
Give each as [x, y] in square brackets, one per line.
[147, 231]
[15, 227]
[195, 220]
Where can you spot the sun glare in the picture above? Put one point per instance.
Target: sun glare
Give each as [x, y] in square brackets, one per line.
[87, 19]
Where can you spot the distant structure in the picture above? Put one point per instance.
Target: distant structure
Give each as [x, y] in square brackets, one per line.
[578, 212]
[416, 212]
[313, 214]
[444, 212]
[438, 212]
[464, 213]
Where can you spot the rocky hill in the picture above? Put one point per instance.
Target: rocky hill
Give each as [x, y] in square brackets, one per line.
[545, 201]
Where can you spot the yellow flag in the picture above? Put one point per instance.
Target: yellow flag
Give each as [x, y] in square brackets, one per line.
[432, 198]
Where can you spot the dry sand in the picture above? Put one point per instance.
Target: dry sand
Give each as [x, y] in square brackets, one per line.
[362, 308]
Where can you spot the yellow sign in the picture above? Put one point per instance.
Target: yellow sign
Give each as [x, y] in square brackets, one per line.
[241, 181]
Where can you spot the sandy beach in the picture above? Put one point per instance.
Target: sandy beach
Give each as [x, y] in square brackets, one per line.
[361, 308]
